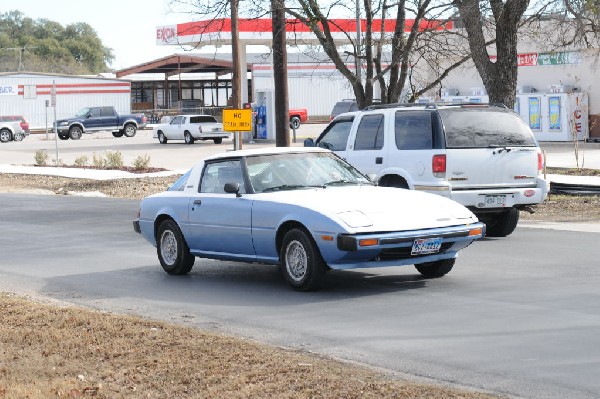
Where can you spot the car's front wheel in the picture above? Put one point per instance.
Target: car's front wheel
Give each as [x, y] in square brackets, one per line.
[436, 268]
[5, 136]
[63, 136]
[294, 122]
[173, 252]
[162, 138]
[188, 138]
[502, 224]
[301, 262]
[75, 132]
[218, 140]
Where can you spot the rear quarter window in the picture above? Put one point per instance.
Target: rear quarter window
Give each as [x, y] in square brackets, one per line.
[413, 130]
[203, 119]
[477, 128]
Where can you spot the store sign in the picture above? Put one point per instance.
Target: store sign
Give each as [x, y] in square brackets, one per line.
[166, 34]
[9, 90]
[559, 58]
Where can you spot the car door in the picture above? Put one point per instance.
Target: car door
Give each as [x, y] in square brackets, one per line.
[367, 150]
[335, 136]
[93, 119]
[110, 120]
[220, 223]
[173, 129]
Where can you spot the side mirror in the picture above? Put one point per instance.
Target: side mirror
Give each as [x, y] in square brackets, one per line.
[309, 142]
[232, 188]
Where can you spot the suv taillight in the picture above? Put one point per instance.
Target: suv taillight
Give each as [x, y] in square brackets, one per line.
[540, 162]
[438, 165]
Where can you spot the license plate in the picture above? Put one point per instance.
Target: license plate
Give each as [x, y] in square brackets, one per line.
[426, 246]
[495, 201]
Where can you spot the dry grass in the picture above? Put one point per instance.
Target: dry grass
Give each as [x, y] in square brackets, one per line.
[66, 352]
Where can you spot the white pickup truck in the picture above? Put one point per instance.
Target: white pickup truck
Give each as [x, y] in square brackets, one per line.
[190, 128]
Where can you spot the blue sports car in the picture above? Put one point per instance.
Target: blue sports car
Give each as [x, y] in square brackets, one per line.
[305, 209]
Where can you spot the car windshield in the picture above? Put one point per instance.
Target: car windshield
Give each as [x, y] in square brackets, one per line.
[294, 171]
[82, 112]
[479, 128]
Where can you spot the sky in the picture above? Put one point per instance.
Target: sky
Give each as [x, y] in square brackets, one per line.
[126, 26]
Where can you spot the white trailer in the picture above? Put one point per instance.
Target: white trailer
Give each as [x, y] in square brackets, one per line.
[31, 95]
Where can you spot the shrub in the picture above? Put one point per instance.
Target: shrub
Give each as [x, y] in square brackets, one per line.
[41, 158]
[141, 162]
[98, 161]
[81, 161]
[114, 160]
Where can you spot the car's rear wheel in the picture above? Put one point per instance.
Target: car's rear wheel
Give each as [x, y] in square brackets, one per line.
[129, 130]
[5, 135]
[502, 224]
[436, 268]
[188, 138]
[173, 252]
[301, 262]
[118, 134]
[75, 132]
[162, 138]
[294, 122]
[19, 136]
[218, 140]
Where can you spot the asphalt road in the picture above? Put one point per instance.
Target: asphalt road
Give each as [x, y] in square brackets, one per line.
[519, 315]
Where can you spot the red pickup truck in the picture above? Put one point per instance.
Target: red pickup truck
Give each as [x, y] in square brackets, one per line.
[297, 116]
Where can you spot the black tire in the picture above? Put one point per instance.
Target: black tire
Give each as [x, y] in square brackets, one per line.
[295, 122]
[173, 252]
[75, 132]
[187, 136]
[435, 269]
[118, 134]
[5, 136]
[129, 130]
[502, 224]
[63, 136]
[301, 262]
[162, 138]
[218, 140]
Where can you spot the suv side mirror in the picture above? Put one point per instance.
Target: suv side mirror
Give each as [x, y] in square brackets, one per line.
[309, 142]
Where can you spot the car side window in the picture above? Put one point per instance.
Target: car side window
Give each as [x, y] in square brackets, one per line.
[216, 174]
[413, 130]
[95, 112]
[335, 138]
[177, 120]
[107, 111]
[369, 135]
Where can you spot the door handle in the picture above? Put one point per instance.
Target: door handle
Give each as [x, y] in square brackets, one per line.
[197, 202]
[379, 160]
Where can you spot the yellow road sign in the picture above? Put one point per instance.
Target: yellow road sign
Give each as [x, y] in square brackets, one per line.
[237, 120]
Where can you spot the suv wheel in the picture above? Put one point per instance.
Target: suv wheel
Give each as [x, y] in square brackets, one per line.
[502, 224]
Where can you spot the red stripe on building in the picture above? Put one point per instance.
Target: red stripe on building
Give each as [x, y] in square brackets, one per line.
[73, 85]
[263, 25]
[44, 92]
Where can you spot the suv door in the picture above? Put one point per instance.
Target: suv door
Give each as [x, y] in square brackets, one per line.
[368, 151]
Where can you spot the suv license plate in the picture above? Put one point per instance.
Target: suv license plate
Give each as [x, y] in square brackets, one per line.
[495, 201]
[426, 246]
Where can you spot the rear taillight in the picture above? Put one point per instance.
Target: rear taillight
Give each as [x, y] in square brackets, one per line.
[438, 165]
[144, 119]
[540, 162]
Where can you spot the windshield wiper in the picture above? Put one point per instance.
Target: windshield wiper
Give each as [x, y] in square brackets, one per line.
[288, 187]
[339, 182]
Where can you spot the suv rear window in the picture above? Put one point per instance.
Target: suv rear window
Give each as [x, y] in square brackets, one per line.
[343, 106]
[478, 128]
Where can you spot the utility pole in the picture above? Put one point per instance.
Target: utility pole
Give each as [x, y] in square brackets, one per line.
[236, 83]
[21, 50]
[282, 119]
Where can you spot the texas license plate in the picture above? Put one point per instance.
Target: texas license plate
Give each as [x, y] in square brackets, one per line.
[495, 201]
[426, 246]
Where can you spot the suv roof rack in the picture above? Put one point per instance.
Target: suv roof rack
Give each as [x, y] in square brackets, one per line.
[398, 105]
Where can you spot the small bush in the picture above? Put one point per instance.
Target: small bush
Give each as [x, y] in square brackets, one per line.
[114, 160]
[41, 158]
[81, 161]
[98, 161]
[141, 162]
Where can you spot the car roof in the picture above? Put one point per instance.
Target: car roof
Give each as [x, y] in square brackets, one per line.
[429, 107]
[265, 151]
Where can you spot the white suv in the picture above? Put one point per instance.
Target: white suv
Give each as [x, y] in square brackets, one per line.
[484, 157]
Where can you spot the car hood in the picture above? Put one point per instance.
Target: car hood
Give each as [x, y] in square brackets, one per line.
[380, 208]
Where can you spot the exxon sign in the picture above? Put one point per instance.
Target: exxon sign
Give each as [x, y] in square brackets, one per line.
[166, 35]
